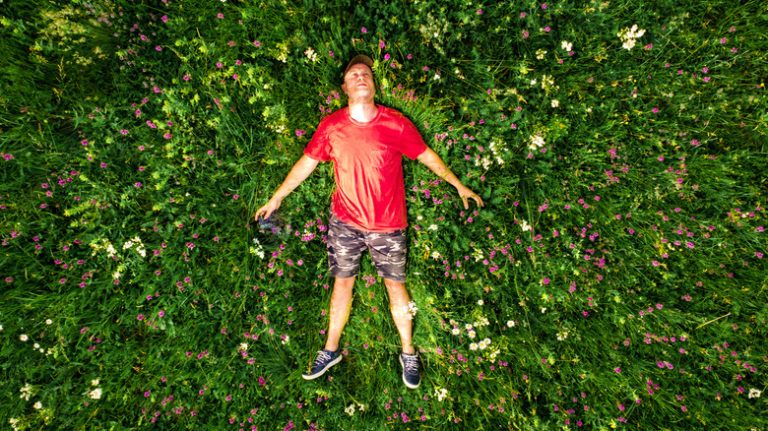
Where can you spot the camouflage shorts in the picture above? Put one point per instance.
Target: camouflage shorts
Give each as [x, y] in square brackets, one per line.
[346, 245]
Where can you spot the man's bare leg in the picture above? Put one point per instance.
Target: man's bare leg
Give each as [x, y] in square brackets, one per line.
[341, 304]
[398, 305]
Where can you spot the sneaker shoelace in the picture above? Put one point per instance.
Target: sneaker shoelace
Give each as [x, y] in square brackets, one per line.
[411, 364]
[322, 358]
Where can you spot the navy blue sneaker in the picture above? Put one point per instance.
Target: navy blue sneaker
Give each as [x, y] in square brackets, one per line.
[325, 359]
[411, 370]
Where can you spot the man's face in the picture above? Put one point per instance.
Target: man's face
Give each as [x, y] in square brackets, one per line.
[358, 83]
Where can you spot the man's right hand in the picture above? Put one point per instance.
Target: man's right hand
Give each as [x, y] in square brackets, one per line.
[267, 210]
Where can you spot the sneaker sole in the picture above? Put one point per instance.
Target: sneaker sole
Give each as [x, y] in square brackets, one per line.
[409, 385]
[321, 372]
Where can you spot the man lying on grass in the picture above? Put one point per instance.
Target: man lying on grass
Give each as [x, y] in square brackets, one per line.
[366, 142]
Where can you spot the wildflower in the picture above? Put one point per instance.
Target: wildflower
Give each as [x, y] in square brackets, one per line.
[38, 405]
[566, 46]
[95, 394]
[412, 309]
[537, 141]
[311, 54]
[350, 410]
[26, 392]
[441, 393]
[23, 337]
[629, 36]
[754, 393]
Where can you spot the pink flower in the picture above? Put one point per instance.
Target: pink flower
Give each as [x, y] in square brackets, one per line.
[257, 44]
[363, 30]
[164, 19]
[220, 15]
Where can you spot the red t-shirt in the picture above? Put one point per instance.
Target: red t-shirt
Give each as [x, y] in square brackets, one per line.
[367, 165]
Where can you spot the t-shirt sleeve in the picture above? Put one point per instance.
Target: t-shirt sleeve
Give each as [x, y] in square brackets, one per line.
[413, 143]
[319, 147]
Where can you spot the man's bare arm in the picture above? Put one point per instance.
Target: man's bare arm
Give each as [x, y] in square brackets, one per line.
[431, 160]
[300, 171]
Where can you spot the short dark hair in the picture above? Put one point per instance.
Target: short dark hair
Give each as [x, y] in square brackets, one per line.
[358, 59]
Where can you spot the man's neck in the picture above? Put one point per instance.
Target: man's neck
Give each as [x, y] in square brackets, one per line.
[363, 111]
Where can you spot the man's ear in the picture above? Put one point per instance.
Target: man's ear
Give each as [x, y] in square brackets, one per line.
[344, 88]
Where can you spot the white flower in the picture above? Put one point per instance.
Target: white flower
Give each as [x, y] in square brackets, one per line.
[540, 54]
[38, 405]
[350, 410]
[537, 141]
[361, 407]
[480, 302]
[95, 394]
[23, 337]
[1, 328]
[243, 347]
[95, 382]
[48, 321]
[436, 77]
[755, 393]
[435, 255]
[311, 54]
[26, 392]
[455, 331]
[116, 275]
[412, 309]
[525, 226]
[629, 36]
[567, 46]
[286, 340]
[473, 346]
[441, 393]
[555, 103]
[432, 227]
[471, 334]
[36, 346]
[510, 323]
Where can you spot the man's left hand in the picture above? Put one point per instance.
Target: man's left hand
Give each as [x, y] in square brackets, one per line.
[466, 194]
